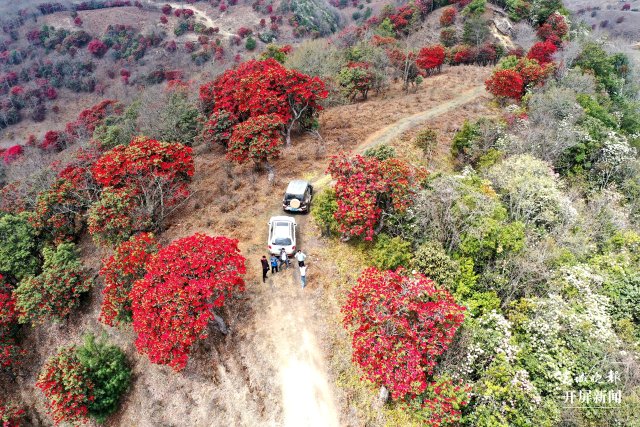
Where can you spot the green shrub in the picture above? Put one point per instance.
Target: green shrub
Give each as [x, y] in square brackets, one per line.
[107, 369]
[19, 248]
[390, 253]
[432, 261]
[323, 208]
[55, 293]
[476, 7]
[250, 44]
[464, 139]
[426, 140]
[381, 152]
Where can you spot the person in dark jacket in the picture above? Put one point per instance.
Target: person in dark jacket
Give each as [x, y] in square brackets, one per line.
[265, 268]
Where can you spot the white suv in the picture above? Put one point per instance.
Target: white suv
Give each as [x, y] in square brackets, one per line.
[282, 234]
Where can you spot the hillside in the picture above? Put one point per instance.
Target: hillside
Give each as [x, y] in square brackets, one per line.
[471, 250]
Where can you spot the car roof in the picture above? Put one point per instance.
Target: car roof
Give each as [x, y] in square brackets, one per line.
[282, 218]
[297, 186]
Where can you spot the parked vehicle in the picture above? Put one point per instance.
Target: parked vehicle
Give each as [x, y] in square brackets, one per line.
[282, 234]
[298, 196]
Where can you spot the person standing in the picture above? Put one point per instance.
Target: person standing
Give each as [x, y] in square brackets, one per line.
[274, 264]
[300, 256]
[265, 268]
[284, 259]
[303, 276]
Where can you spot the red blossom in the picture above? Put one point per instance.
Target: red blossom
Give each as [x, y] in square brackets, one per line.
[172, 305]
[400, 325]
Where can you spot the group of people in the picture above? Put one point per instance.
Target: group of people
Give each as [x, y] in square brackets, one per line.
[277, 263]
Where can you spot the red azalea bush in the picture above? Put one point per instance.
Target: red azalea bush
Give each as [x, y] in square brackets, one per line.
[258, 138]
[505, 83]
[366, 187]
[554, 29]
[9, 351]
[401, 324]
[156, 173]
[59, 212]
[11, 415]
[172, 305]
[120, 271]
[12, 154]
[257, 88]
[56, 292]
[441, 403]
[448, 16]
[97, 48]
[68, 390]
[431, 58]
[116, 216]
[542, 52]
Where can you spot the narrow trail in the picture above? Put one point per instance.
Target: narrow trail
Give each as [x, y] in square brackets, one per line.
[390, 132]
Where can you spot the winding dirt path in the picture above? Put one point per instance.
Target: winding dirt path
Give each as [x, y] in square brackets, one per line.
[307, 398]
[388, 133]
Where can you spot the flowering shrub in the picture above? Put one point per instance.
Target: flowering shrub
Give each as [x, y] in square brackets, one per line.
[448, 16]
[542, 52]
[11, 415]
[156, 173]
[12, 154]
[120, 271]
[55, 293]
[68, 390]
[258, 138]
[9, 351]
[97, 48]
[116, 216]
[555, 29]
[400, 325]
[441, 402]
[257, 88]
[58, 212]
[366, 187]
[505, 83]
[173, 304]
[431, 58]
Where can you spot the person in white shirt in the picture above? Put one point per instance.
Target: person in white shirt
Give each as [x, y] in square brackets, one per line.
[300, 256]
[303, 276]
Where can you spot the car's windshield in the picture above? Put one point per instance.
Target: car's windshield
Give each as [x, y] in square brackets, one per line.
[288, 197]
[282, 241]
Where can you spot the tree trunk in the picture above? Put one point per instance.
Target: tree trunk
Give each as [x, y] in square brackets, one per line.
[222, 327]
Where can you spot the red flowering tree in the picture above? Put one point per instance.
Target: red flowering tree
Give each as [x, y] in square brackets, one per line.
[56, 292]
[67, 387]
[11, 415]
[172, 305]
[258, 138]
[448, 16]
[400, 325]
[532, 72]
[257, 88]
[554, 29]
[97, 48]
[542, 52]
[60, 209]
[9, 351]
[431, 58]
[366, 188]
[156, 174]
[120, 271]
[505, 84]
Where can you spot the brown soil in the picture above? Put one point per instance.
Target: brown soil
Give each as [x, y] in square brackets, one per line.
[273, 368]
